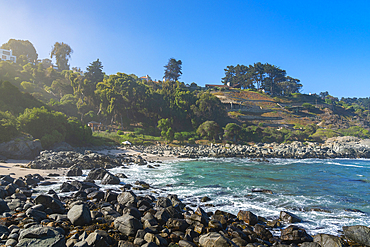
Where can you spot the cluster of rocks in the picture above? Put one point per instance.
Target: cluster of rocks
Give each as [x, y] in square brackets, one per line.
[20, 148]
[94, 217]
[339, 147]
[88, 160]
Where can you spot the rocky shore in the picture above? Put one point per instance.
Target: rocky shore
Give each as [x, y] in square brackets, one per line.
[338, 147]
[91, 216]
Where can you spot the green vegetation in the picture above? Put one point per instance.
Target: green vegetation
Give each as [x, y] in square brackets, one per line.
[54, 103]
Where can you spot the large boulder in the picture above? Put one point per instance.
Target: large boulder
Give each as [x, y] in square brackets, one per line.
[49, 202]
[127, 197]
[327, 240]
[248, 217]
[289, 217]
[214, 239]
[110, 179]
[74, 171]
[97, 174]
[127, 224]
[21, 148]
[79, 215]
[294, 234]
[41, 236]
[358, 234]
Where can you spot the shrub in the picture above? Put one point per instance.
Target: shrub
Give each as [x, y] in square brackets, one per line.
[209, 129]
[8, 126]
[120, 132]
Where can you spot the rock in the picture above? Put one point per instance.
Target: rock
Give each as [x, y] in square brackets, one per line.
[127, 197]
[37, 214]
[248, 217]
[79, 215]
[74, 171]
[41, 236]
[49, 202]
[326, 240]
[110, 179]
[61, 146]
[127, 224]
[259, 190]
[3, 206]
[358, 234]
[21, 148]
[294, 234]
[310, 244]
[205, 199]
[163, 202]
[214, 239]
[97, 174]
[67, 187]
[95, 239]
[289, 217]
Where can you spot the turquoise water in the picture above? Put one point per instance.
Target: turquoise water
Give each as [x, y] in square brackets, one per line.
[326, 194]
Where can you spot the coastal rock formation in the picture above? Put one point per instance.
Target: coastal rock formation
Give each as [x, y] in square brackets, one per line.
[21, 148]
[97, 217]
[339, 147]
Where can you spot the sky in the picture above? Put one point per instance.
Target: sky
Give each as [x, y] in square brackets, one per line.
[325, 44]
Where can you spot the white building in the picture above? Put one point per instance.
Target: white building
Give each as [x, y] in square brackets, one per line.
[6, 55]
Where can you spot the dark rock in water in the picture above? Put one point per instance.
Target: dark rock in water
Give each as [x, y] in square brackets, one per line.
[248, 217]
[214, 239]
[327, 240]
[289, 217]
[97, 174]
[259, 190]
[127, 224]
[41, 236]
[262, 232]
[47, 183]
[205, 199]
[20, 148]
[84, 185]
[110, 196]
[127, 197]
[110, 179]
[79, 215]
[53, 175]
[67, 187]
[358, 234]
[294, 234]
[74, 171]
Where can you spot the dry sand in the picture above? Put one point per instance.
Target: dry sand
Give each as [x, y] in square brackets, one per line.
[17, 168]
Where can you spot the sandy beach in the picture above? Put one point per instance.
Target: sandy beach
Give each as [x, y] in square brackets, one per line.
[17, 168]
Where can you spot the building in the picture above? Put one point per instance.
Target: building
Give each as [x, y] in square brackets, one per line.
[6, 55]
[95, 126]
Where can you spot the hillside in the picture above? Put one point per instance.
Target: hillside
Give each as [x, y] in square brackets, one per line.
[257, 108]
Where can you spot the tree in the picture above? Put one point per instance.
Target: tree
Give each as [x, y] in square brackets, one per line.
[232, 131]
[274, 75]
[95, 72]
[209, 129]
[208, 107]
[62, 53]
[21, 48]
[172, 70]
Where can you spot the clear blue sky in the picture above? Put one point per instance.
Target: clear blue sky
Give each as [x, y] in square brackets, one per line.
[325, 44]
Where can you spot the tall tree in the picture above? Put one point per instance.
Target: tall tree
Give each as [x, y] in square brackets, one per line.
[172, 70]
[21, 48]
[93, 75]
[62, 53]
[274, 75]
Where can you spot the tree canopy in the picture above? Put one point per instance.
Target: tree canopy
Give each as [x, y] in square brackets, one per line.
[21, 48]
[172, 70]
[270, 78]
[62, 52]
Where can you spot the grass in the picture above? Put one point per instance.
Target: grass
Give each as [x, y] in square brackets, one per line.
[112, 138]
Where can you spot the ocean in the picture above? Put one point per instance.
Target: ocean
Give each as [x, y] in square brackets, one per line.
[325, 194]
